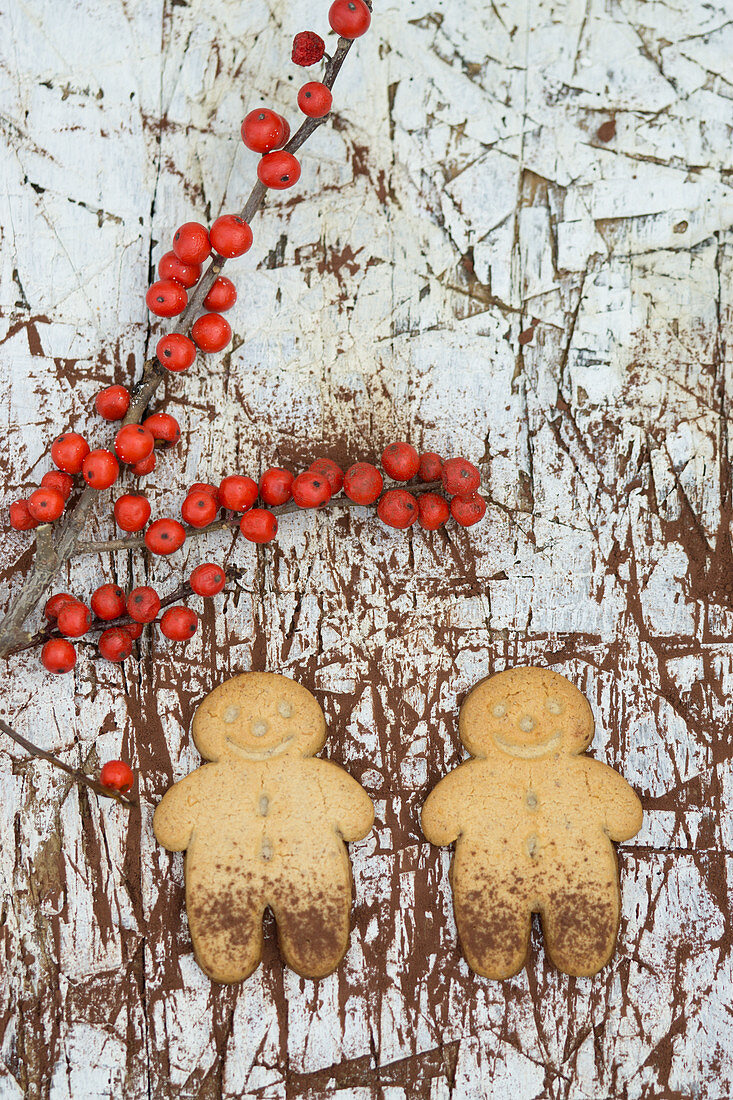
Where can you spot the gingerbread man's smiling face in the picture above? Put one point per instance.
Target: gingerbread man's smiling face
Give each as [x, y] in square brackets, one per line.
[258, 716]
[526, 713]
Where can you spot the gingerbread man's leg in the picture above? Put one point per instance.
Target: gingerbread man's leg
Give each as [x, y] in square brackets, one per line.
[313, 920]
[580, 922]
[225, 920]
[494, 922]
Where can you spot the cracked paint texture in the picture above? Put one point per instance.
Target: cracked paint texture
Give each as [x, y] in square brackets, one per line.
[513, 243]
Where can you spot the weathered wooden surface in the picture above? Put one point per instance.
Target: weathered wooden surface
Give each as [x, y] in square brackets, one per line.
[513, 242]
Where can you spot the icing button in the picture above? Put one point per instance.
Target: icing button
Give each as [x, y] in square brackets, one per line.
[526, 723]
[531, 800]
[532, 845]
[231, 714]
[499, 710]
[284, 708]
[259, 729]
[264, 805]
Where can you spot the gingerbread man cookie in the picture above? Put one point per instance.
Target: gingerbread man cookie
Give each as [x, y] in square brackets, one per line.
[533, 820]
[264, 824]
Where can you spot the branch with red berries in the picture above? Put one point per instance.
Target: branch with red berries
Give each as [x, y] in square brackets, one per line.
[197, 299]
[423, 489]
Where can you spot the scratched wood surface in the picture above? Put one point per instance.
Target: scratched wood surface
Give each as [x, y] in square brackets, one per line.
[513, 243]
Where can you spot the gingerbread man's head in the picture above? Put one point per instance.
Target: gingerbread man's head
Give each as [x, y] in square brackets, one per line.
[527, 713]
[258, 716]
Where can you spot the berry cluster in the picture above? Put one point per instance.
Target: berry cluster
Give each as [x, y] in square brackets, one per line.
[134, 446]
[121, 618]
[265, 132]
[441, 489]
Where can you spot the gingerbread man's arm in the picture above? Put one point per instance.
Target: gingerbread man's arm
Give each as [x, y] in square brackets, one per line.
[175, 817]
[620, 806]
[348, 804]
[441, 814]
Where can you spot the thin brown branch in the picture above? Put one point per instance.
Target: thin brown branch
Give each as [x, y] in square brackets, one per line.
[49, 558]
[76, 775]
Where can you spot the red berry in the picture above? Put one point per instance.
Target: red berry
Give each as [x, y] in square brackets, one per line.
[100, 469]
[222, 295]
[276, 486]
[397, 508]
[460, 477]
[199, 508]
[143, 604]
[349, 18]
[133, 629]
[332, 472]
[116, 775]
[308, 48]
[400, 461]
[69, 451]
[211, 332]
[179, 623]
[212, 489]
[191, 243]
[258, 525]
[263, 130]
[311, 490]
[278, 170]
[230, 236]
[46, 505]
[170, 267]
[175, 351]
[315, 99]
[363, 483]
[431, 467]
[55, 603]
[132, 512]
[115, 644]
[237, 493]
[56, 479]
[112, 403]
[166, 298]
[133, 443]
[468, 510]
[163, 426]
[432, 511]
[145, 465]
[20, 517]
[207, 579]
[108, 602]
[165, 536]
[74, 619]
[58, 655]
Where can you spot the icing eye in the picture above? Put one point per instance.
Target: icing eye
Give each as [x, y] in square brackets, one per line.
[259, 729]
[526, 723]
[499, 710]
[554, 706]
[231, 714]
[284, 709]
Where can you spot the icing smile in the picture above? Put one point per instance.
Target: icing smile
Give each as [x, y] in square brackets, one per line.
[262, 754]
[528, 752]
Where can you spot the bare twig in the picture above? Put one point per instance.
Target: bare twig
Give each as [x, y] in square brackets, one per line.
[49, 557]
[75, 774]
